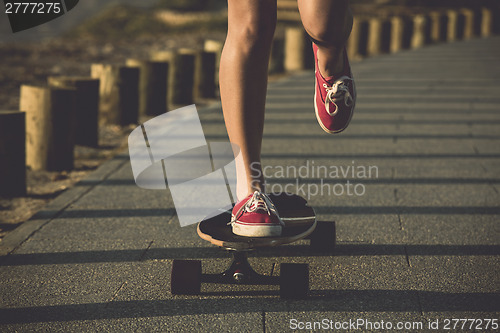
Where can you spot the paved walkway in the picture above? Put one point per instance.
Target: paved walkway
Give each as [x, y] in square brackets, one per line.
[419, 242]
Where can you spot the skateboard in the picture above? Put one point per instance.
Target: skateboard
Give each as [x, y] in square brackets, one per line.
[300, 223]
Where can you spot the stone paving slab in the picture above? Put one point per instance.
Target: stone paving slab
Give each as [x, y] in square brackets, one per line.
[421, 244]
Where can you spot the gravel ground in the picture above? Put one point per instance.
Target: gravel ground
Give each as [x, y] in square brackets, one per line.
[31, 63]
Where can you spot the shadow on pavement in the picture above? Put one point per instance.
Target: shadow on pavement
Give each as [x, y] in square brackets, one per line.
[81, 257]
[322, 300]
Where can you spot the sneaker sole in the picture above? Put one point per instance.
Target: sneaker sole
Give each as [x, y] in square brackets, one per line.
[256, 230]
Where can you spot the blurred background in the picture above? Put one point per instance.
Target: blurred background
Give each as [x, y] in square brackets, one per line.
[112, 31]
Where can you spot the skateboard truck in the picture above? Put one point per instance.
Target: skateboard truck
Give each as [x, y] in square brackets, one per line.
[293, 280]
[240, 272]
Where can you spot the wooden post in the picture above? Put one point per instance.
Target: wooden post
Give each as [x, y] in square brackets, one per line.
[118, 93]
[362, 45]
[169, 57]
[353, 41]
[50, 123]
[374, 46]
[438, 26]
[468, 28]
[12, 153]
[86, 109]
[152, 86]
[379, 36]
[165, 56]
[419, 37]
[401, 33]
[182, 76]
[276, 62]
[298, 50]
[486, 22]
[294, 49]
[204, 75]
[435, 26]
[397, 33]
[215, 46]
[451, 35]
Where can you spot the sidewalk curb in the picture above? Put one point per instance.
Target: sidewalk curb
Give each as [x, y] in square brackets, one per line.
[54, 208]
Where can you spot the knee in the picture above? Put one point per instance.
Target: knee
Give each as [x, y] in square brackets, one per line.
[329, 34]
[253, 33]
[321, 35]
[332, 31]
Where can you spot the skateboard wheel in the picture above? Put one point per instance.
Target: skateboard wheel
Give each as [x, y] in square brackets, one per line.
[294, 281]
[186, 277]
[323, 237]
[239, 277]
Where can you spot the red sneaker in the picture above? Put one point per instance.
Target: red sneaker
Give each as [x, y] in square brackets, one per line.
[334, 98]
[256, 216]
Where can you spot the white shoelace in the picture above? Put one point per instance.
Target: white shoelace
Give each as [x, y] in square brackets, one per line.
[257, 201]
[339, 91]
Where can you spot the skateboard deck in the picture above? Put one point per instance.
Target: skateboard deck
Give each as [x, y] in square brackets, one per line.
[293, 209]
[217, 231]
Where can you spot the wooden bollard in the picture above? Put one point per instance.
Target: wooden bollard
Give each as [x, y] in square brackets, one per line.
[152, 86]
[204, 75]
[165, 56]
[294, 49]
[477, 15]
[298, 50]
[118, 93]
[486, 22]
[86, 109]
[182, 77]
[277, 60]
[401, 32]
[50, 123]
[168, 56]
[216, 47]
[374, 36]
[452, 26]
[438, 26]
[353, 41]
[468, 23]
[397, 34]
[420, 31]
[356, 44]
[12, 153]
[378, 39]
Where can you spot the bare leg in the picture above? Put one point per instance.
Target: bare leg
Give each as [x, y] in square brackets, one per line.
[243, 84]
[329, 24]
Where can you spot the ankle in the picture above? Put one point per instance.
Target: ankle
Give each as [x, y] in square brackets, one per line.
[331, 62]
[255, 185]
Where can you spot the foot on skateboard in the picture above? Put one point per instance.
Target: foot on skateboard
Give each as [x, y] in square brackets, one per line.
[186, 277]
